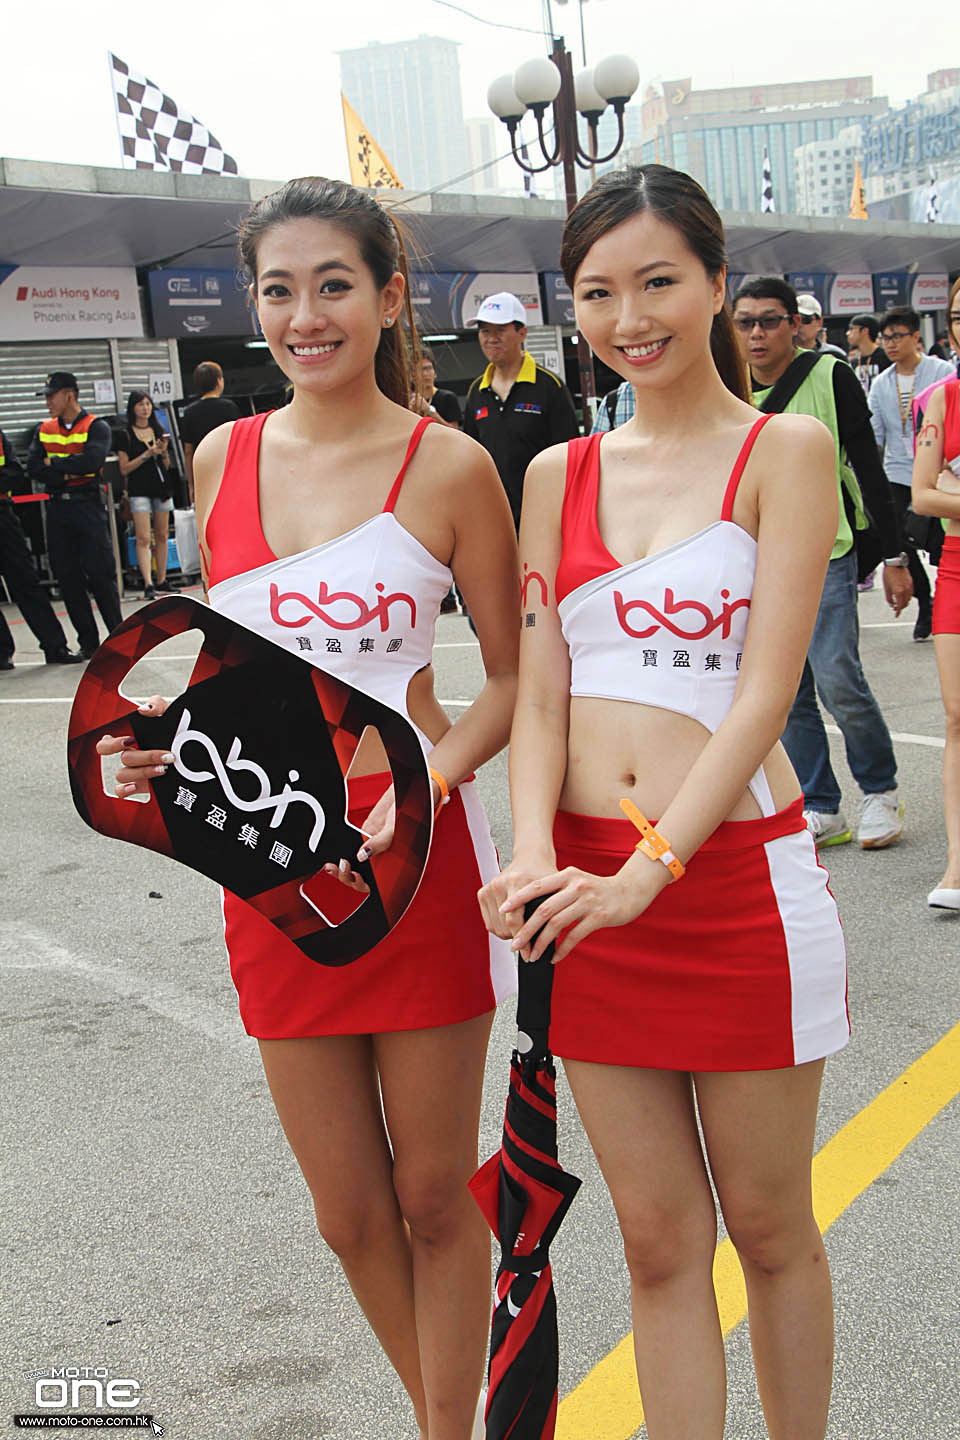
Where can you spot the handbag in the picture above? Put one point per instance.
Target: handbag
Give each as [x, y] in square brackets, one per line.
[124, 512]
[923, 530]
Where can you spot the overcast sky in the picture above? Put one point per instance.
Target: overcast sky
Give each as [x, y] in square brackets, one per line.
[265, 79]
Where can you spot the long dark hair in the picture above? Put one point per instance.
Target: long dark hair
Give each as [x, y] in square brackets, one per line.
[953, 331]
[678, 200]
[133, 399]
[382, 246]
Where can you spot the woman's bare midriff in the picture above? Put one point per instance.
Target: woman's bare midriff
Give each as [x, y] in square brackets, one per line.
[424, 710]
[617, 748]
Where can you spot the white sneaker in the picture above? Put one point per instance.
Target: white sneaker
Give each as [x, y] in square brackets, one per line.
[828, 829]
[881, 820]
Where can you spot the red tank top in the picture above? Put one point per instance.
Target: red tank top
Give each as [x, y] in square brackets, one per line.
[234, 532]
[583, 554]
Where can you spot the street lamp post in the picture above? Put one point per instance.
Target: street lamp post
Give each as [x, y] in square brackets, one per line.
[543, 82]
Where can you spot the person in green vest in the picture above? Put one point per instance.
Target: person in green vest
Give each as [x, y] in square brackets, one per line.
[811, 383]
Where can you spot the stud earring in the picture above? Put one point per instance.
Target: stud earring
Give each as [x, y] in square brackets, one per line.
[388, 320]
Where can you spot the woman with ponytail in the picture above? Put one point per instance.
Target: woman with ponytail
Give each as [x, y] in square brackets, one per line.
[700, 972]
[343, 496]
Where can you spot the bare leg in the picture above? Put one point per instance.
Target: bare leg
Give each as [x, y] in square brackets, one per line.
[141, 531]
[327, 1097]
[759, 1131]
[431, 1082]
[948, 664]
[161, 525]
[642, 1126]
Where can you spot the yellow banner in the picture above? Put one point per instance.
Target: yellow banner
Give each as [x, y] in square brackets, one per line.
[369, 167]
[858, 200]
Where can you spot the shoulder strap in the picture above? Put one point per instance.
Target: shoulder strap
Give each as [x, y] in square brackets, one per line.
[415, 439]
[730, 494]
[789, 382]
[580, 487]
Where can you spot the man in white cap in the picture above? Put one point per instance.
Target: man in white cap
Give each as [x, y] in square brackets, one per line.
[516, 408]
[811, 323]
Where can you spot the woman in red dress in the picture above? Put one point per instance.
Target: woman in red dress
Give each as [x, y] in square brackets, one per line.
[343, 519]
[936, 491]
[701, 975]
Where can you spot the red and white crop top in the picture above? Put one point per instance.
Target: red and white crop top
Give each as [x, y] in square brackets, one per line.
[363, 606]
[668, 630]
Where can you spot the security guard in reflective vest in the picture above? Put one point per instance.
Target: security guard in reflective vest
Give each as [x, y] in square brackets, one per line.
[20, 575]
[66, 456]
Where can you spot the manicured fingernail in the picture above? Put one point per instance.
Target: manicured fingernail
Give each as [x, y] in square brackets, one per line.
[514, 946]
[166, 759]
[343, 867]
[128, 789]
[364, 852]
[159, 769]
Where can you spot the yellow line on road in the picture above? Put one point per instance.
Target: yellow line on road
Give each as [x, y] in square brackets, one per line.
[606, 1404]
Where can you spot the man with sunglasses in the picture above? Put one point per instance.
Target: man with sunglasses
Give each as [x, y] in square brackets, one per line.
[810, 323]
[891, 403]
[766, 319]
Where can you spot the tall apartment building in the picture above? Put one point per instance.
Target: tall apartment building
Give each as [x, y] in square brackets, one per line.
[824, 172]
[719, 136]
[482, 141]
[407, 93]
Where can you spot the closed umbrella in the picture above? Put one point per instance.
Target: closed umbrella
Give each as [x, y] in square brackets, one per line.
[524, 1194]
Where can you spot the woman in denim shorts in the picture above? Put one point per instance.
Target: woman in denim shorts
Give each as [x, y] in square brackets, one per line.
[144, 462]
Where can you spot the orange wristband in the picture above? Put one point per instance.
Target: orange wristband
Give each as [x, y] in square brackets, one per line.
[653, 844]
[444, 789]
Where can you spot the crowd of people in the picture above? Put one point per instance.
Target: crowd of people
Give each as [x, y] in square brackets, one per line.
[689, 587]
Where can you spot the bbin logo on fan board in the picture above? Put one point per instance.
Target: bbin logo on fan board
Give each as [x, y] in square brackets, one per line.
[671, 606]
[364, 614]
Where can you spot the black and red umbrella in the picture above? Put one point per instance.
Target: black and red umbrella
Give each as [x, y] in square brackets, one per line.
[524, 1195]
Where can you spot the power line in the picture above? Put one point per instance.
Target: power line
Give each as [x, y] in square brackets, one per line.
[482, 19]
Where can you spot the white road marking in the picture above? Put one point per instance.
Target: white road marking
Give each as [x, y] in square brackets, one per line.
[903, 736]
[24, 949]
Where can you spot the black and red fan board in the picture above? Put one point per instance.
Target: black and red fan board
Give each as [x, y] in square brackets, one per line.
[256, 797]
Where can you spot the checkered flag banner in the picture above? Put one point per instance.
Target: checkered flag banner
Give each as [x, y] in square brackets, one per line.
[767, 202]
[155, 134]
[933, 198]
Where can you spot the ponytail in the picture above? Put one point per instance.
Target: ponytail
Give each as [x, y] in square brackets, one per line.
[397, 363]
[727, 355]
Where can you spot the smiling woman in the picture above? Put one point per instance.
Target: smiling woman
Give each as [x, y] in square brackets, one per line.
[701, 971]
[335, 527]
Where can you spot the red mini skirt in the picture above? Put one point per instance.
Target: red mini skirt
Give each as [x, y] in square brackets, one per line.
[946, 596]
[739, 965]
[438, 966]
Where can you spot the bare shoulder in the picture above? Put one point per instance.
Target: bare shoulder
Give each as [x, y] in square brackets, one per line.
[547, 473]
[936, 406]
[803, 432]
[790, 447]
[450, 458]
[212, 450]
[209, 459]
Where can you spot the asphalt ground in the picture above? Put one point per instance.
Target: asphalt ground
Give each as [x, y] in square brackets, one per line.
[153, 1221]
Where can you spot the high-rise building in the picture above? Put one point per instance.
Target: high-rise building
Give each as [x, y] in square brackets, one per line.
[482, 142]
[824, 172]
[407, 93]
[719, 136]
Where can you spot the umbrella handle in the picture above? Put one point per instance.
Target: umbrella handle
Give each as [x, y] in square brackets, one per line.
[534, 990]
